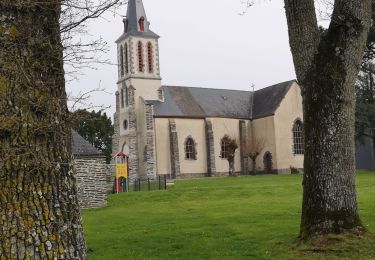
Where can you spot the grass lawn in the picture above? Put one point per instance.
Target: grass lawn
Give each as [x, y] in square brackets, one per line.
[255, 217]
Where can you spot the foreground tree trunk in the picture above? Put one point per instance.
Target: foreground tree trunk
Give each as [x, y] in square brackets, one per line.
[327, 67]
[39, 212]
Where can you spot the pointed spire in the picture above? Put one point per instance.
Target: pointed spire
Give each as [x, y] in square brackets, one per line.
[136, 22]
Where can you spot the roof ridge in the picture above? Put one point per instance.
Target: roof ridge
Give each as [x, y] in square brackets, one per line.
[248, 91]
[274, 85]
[208, 88]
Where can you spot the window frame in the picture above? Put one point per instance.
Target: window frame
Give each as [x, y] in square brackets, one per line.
[223, 149]
[150, 57]
[298, 142]
[122, 61]
[190, 149]
[141, 23]
[140, 57]
[126, 62]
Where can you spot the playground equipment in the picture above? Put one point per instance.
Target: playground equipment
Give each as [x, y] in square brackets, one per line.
[121, 179]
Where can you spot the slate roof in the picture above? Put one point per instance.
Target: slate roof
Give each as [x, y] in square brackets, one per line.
[134, 13]
[82, 148]
[204, 102]
[267, 100]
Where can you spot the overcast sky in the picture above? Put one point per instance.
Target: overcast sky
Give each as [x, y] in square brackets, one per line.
[203, 44]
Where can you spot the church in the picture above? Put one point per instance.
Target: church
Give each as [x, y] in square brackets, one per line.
[178, 131]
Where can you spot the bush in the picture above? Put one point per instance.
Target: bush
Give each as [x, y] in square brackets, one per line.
[294, 170]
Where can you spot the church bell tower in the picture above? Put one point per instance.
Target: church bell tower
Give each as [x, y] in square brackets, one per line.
[139, 83]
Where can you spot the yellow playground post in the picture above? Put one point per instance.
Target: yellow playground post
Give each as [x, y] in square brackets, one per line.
[121, 179]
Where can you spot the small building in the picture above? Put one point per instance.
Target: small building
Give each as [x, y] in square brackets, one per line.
[91, 170]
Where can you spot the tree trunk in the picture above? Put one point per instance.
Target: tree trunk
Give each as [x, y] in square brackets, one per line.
[231, 167]
[326, 68]
[254, 165]
[39, 212]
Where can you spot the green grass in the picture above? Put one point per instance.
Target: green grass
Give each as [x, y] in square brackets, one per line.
[253, 217]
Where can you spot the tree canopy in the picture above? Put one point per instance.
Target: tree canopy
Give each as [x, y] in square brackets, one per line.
[96, 128]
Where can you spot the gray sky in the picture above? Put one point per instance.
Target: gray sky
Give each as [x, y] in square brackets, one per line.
[203, 44]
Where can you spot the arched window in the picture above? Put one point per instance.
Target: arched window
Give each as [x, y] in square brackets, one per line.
[267, 162]
[150, 57]
[125, 124]
[122, 60]
[126, 59]
[140, 56]
[126, 96]
[224, 148]
[298, 146]
[122, 97]
[190, 151]
[142, 24]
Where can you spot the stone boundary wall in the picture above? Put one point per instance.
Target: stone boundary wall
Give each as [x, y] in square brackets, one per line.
[91, 182]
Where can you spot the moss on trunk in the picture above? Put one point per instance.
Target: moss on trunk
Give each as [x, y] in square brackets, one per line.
[39, 212]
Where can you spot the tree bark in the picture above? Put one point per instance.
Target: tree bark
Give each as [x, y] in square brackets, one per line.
[231, 166]
[39, 212]
[326, 68]
[254, 165]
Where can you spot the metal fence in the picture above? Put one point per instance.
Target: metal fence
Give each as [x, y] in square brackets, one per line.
[138, 184]
[149, 184]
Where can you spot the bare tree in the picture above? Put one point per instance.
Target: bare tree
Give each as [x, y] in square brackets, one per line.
[81, 50]
[327, 66]
[252, 149]
[229, 147]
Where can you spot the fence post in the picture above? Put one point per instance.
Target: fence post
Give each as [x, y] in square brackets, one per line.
[159, 182]
[139, 184]
[148, 184]
[165, 182]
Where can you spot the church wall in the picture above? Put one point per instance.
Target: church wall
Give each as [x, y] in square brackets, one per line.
[163, 154]
[264, 129]
[221, 127]
[147, 89]
[141, 138]
[194, 128]
[290, 109]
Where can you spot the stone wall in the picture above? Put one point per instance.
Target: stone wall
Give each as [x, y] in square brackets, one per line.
[150, 166]
[243, 141]
[175, 155]
[132, 136]
[211, 165]
[91, 182]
